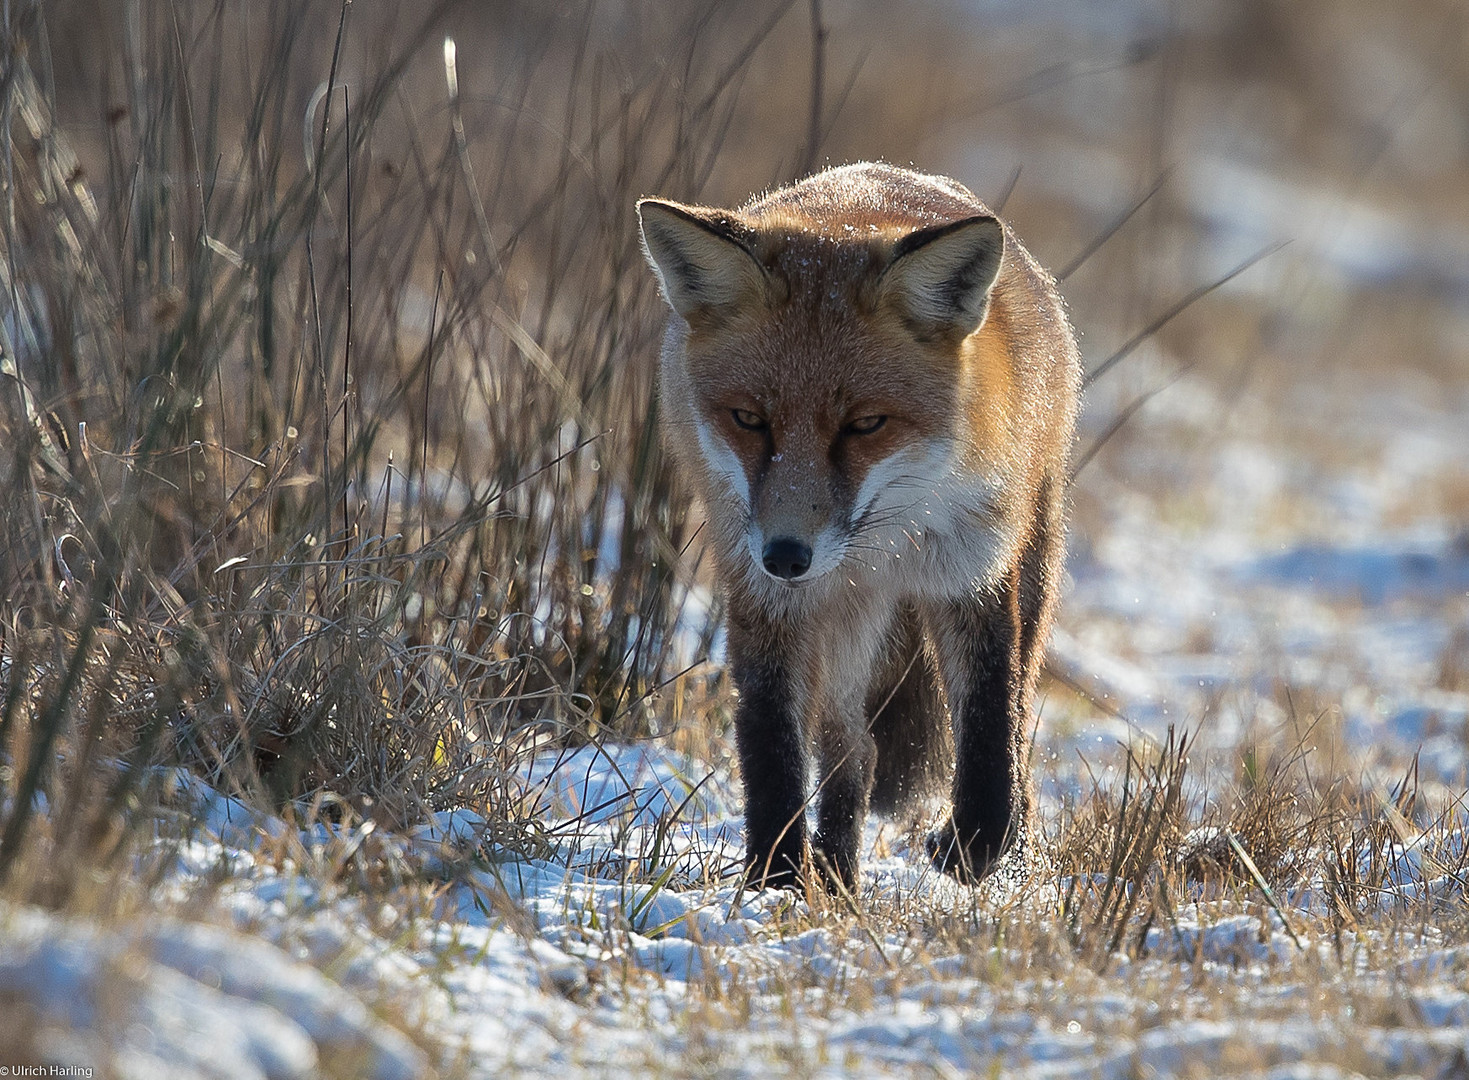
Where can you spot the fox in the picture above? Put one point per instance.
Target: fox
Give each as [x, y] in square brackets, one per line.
[872, 388]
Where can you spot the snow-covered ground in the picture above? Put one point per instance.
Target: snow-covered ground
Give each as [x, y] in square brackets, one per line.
[1201, 586]
[561, 966]
[1284, 540]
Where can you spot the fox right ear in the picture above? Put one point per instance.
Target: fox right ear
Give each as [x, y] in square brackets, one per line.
[703, 268]
[941, 277]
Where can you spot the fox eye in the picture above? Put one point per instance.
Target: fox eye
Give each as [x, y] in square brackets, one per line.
[748, 420]
[866, 425]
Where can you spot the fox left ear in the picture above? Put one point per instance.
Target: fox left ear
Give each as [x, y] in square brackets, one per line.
[704, 267]
[941, 277]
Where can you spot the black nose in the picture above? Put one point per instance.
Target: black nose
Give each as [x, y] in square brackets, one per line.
[787, 558]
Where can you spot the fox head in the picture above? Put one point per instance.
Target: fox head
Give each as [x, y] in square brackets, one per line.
[820, 372]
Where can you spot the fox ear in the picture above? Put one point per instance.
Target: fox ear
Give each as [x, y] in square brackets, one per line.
[704, 269]
[941, 277]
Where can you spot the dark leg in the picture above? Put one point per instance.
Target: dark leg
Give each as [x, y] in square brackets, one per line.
[979, 646]
[850, 648]
[993, 647]
[907, 719]
[845, 778]
[771, 738]
[1040, 576]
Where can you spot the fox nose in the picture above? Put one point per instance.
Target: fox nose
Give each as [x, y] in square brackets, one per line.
[786, 558]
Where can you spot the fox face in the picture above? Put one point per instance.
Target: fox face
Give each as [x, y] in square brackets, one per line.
[826, 384]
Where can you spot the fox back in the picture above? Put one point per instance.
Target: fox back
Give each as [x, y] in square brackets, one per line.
[873, 387]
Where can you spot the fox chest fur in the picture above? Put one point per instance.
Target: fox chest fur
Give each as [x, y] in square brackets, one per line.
[873, 388]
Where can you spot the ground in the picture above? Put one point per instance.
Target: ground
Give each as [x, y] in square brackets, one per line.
[1268, 587]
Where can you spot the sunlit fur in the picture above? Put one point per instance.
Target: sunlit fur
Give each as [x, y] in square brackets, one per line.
[807, 309]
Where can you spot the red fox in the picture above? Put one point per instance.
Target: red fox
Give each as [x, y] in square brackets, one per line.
[874, 388]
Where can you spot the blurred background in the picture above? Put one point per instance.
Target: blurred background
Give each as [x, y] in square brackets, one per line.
[328, 424]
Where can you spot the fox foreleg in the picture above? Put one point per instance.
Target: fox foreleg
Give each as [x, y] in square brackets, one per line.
[979, 645]
[844, 781]
[771, 739]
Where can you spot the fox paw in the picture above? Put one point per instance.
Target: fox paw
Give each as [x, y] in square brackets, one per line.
[969, 862]
[775, 872]
[835, 866]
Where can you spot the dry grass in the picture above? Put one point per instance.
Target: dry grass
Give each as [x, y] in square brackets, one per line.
[331, 445]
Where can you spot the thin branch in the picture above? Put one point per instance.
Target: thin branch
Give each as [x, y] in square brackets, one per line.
[1111, 230]
[1121, 420]
[1007, 191]
[1168, 316]
[818, 80]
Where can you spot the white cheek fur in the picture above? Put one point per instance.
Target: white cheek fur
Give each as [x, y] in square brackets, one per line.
[922, 465]
[936, 526]
[723, 461]
[940, 535]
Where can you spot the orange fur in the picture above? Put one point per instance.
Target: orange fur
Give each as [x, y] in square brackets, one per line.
[874, 388]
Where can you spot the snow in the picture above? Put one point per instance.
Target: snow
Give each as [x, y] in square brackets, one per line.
[1330, 567]
[608, 973]
[185, 999]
